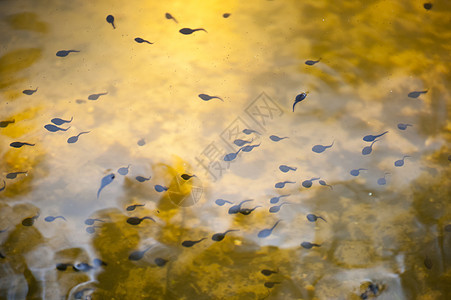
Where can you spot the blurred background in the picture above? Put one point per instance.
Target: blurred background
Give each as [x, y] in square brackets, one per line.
[385, 233]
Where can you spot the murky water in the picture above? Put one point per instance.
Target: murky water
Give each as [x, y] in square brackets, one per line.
[384, 233]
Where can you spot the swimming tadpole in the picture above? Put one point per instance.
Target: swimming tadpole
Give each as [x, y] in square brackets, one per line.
[221, 202]
[267, 232]
[133, 207]
[299, 98]
[240, 142]
[30, 92]
[313, 218]
[123, 170]
[92, 221]
[74, 139]
[248, 211]
[64, 53]
[94, 97]
[356, 172]
[281, 185]
[321, 148]
[308, 245]
[59, 121]
[323, 183]
[140, 41]
[191, 243]
[142, 179]
[187, 176]
[309, 182]
[274, 200]
[170, 17]
[13, 175]
[187, 31]
[416, 94]
[137, 221]
[52, 218]
[53, 128]
[370, 137]
[236, 208]
[400, 162]
[106, 180]
[267, 272]
[403, 126]
[110, 20]
[368, 149]
[312, 62]
[138, 254]
[276, 208]
[249, 148]
[4, 124]
[285, 168]
[217, 237]
[29, 221]
[276, 138]
[206, 97]
[159, 188]
[250, 131]
[20, 144]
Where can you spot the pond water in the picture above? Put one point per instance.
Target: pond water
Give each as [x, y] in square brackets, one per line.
[130, 142]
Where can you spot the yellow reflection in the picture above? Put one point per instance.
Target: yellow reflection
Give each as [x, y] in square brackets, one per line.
[14, 61]
[27, 21]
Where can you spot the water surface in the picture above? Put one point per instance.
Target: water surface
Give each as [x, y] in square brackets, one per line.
[147, 115]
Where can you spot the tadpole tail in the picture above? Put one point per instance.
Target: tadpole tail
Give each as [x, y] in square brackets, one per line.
[275, 224]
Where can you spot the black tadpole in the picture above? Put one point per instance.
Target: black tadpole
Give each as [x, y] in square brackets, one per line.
[30, 92]
[123, 170]
[137, 255]
[140, 41]
[236, 208]
[313, 218]
[187, 176]
[64, 53]
[308, 245]
[160, 261]
[74, 139]
[427, 5]
[221, 202]
[247, 211]
[59, 121]
[133, 207]
[110, 19]
[267, 272]
[191, 243]
[170, 17]
[187, 31]
[321, 148]
[267, 232]
[29, 221]
[4, 124]
[217, 237]
[137, 221]
[20, 144]
[13, 175]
